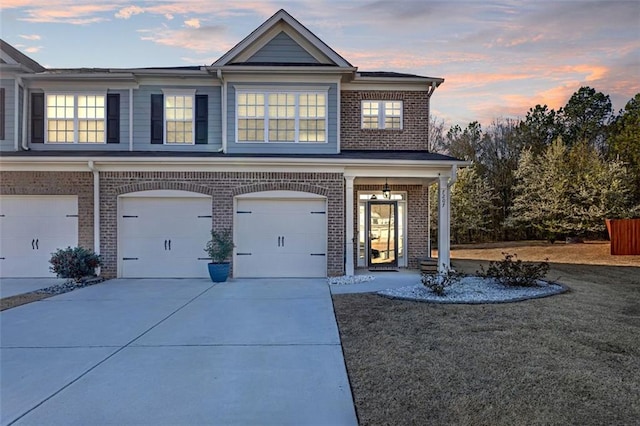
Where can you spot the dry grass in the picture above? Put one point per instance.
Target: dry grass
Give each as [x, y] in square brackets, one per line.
[568, 359]
[21, 299]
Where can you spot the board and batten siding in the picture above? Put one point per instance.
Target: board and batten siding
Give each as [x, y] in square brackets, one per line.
[122, 145]
[142, 119]
[282, 49]
[329, 147]
[7, 143]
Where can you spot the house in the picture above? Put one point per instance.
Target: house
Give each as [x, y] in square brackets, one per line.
[319, 168]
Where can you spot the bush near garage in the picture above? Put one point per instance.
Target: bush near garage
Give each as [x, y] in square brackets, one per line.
[74, 263]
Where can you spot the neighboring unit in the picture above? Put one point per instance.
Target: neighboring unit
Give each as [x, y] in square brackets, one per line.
[318, 168]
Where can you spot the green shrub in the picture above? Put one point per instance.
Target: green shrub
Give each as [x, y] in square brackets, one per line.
[513, 272]
[438, 283]
[220, 246]
[74, 263]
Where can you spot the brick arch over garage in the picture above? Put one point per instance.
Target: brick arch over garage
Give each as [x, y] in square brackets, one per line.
[280, 186]
[164, 185]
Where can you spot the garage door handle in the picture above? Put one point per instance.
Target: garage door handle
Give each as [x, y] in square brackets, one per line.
[33, 244]
[37, 248]
[278, 241]
[169, 245]
[243, 254]
[165, 244]
[318, 254]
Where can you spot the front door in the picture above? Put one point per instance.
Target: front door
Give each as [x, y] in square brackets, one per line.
[383, 233]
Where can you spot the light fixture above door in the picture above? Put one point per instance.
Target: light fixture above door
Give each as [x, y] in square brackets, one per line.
[386, 191]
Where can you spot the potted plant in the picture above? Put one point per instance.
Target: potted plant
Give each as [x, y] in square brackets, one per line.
[220, 248]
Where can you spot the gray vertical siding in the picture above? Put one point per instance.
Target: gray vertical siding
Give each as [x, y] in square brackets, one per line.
[142, 119]
[331, 147]
[8, 143]
[283, 49]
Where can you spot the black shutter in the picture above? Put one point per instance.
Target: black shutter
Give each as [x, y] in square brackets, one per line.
[113, 118]
[157, 119]
[37, 118]
[202, 109]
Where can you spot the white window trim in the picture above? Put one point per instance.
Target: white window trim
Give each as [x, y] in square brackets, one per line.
[178, 92]
[75, 95]
[277, 89]
[381, 114]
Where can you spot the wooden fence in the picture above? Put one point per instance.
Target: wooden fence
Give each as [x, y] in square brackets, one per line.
[624, 235]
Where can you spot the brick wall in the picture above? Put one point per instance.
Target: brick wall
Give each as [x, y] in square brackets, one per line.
[415, 126]
[222, 186]
[417, 220]
[57, 183]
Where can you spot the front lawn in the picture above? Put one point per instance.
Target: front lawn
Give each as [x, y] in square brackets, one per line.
[567, 359]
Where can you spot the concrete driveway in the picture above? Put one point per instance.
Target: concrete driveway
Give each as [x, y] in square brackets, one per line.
[182, 352]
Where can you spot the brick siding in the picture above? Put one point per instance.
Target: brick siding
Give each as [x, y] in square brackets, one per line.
[222, 186]
[57, 183]
[415, 126]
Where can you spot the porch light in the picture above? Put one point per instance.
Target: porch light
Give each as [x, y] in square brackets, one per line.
[386, 192]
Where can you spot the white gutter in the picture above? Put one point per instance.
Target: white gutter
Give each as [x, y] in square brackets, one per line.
[223, 101]
[96, 206]
[25, 117]
[16, 118]
[131, 119]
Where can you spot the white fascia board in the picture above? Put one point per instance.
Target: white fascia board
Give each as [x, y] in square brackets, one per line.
[282, 69]
[350, 167]
[173, 81]
[80, 86]
[275, 78]
[71, 76]
[398, 87]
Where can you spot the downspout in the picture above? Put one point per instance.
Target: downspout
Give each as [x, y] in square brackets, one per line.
[25, 117]
[96, 206]
[16, 108]
[223, 101]
[130, 119]
[454, 176]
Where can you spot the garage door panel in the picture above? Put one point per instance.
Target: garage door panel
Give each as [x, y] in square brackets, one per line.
[166, 238]
[280, 238]
[32, 228]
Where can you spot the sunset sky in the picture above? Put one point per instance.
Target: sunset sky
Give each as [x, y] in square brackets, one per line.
[498, 58]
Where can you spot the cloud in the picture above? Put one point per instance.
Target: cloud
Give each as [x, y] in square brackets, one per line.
[61, 12]
[33, 49]
[203, 39]
[192, 23]
[30, 36]
[168, 16]
[128, 12]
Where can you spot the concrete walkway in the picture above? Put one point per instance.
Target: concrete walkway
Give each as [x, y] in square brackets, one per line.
[245, 352]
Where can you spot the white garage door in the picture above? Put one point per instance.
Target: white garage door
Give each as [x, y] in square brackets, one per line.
[163, 236]
[31, 228]
[281, 238]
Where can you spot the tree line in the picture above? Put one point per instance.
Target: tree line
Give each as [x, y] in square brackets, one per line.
[551, 175]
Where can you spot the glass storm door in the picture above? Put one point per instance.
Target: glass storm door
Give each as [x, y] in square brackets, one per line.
[383, 233]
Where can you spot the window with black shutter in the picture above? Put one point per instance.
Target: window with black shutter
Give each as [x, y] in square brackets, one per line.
[202, 112]
[157, 119]
[113, 118]
[37, 118]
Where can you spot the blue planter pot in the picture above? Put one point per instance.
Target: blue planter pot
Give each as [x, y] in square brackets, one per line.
[219, 272]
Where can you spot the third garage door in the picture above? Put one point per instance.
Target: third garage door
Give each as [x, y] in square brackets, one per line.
[281, 238]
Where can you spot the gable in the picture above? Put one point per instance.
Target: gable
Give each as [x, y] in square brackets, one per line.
[282, 40]
[282, 49]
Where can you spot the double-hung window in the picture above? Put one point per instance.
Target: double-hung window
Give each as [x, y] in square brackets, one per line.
[281, 116]
[179, 117]
[179, 114]
[382, 115]
[75, 118]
